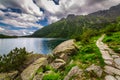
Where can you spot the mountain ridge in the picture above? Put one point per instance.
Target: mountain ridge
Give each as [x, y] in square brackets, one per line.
[73, 26]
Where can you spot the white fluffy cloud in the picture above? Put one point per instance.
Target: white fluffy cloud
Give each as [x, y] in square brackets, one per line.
[78, 7]
[27, 6]
[15, 32]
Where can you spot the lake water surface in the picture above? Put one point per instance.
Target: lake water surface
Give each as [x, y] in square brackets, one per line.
[37, 45]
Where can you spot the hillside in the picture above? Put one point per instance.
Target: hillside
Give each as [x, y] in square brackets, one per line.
[6, 36]
[73, 26]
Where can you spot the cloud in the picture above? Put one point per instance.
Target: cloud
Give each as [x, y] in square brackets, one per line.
[52, 10]
[77, 7]
[2, 29]
[26, 6]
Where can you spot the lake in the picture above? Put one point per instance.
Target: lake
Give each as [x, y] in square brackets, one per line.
[37, 45]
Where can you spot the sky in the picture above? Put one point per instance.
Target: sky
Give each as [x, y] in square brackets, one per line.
[23, 17]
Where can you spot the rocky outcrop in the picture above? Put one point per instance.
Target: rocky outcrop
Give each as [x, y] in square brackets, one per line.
[30, 71]
[73, 72]
[8, 76]
[65, 49]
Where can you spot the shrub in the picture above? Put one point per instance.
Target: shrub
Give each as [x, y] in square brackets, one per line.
[13, 60]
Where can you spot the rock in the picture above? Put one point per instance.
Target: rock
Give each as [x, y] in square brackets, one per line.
[29, 60]
[111, 70]
[109, 77]
[30, 71]
[106, 55]
[108, 62]
[38, 77]
[117, 62]
[65, 49]
[8, 76]
[96, 69]
[58, 63]
[73, 72]
[115, 56]
[117, 77]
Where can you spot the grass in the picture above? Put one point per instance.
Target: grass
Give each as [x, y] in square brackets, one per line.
[52, 76]
[113, 41]
[88, 54]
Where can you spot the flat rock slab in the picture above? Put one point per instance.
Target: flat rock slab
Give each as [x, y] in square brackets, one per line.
[117, 61]
[30, 71]
[111, 70]
[109, 77]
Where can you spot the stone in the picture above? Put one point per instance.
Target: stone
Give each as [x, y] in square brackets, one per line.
[108, 62]
[115, 56]
[65, 49]
[30, 71]
[111, 70]
[96, 69]
[58, 63]
[38, 77]
[73, 72]
[109, 77]
[117, 62]
[106, 55]
[117, 77]
[8, 76]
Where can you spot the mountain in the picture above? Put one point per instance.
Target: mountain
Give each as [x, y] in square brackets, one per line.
[73, 25]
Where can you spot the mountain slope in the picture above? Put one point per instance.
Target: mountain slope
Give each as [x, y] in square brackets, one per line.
[73, 25]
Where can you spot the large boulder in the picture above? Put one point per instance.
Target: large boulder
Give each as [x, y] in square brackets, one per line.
[73, 72]
[30, 71]
[96, 69]
[58, 63]
[8, 76]
[65, 49]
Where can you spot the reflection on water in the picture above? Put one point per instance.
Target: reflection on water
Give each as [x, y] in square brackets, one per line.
[37, 45]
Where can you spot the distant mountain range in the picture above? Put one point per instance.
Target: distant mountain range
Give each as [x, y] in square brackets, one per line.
[73, 25]
[6, 36]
